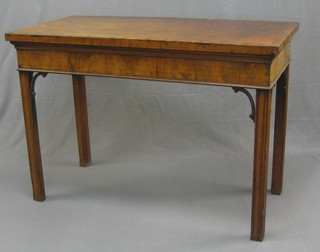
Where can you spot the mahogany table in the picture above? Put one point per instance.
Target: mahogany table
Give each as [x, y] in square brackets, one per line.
[230, 53]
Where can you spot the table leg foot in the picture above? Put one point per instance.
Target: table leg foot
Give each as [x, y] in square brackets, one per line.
[260, 164]
[280, 132]
[32, 135]
[80, 105]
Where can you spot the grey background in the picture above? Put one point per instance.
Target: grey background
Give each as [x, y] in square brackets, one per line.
[172, 163]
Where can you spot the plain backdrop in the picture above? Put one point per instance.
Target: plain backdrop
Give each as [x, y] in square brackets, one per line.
[172, 163]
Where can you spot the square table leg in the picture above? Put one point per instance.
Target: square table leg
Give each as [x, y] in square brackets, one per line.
[280, 132]
[32, 135]
[80, 105]
[260, 163]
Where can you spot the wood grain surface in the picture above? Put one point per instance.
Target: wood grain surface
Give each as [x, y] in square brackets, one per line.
[210, 35]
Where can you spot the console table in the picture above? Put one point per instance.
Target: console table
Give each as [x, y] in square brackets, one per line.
[237, 54]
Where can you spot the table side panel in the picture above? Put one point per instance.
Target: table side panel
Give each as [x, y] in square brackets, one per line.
[280, 63]
[161, 66]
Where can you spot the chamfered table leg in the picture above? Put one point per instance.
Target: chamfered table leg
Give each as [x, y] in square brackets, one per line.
[280, 132]
[80, 105]
[32, 135]
[260, 163]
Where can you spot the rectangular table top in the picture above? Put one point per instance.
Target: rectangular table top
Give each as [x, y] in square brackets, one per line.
[187, 34]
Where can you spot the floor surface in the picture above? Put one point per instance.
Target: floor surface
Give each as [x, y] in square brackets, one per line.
[159, 201]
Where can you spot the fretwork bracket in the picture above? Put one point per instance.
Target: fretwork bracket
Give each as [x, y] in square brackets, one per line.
[247, 93]
[33, 82]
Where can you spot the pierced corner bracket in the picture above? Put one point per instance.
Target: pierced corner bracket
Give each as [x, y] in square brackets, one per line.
[33, 81]
[253, 107]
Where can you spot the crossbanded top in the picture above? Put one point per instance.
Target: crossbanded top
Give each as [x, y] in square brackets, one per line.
[188, 34]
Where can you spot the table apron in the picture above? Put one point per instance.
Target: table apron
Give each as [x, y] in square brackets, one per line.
[162, 67]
